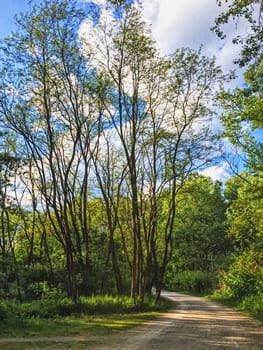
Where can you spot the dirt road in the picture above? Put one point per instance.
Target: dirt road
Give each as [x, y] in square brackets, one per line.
[194, 324]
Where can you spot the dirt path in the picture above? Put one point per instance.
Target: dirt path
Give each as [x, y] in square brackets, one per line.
[194, 324]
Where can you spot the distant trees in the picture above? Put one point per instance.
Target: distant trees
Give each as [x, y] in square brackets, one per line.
[201, 243]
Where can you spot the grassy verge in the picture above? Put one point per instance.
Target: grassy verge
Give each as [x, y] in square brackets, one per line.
[86, 323]
[72, 325]
[251, 306]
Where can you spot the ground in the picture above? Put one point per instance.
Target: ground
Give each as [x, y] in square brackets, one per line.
[193, 324]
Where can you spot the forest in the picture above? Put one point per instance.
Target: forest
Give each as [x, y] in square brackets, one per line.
[103, 141]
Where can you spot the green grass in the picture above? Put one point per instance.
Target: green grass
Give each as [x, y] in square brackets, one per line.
[97, 305]
[92, 318]
[72, 325]
[98, 315]
[251, 306]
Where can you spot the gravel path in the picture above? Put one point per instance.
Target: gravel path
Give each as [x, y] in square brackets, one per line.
[194, 324]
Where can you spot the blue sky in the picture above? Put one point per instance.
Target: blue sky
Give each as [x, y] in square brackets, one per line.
[8, 9]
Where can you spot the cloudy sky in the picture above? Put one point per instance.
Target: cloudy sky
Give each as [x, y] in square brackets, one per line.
[175, 23]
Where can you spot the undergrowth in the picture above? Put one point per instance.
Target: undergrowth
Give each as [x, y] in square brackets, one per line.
[95, 314]
[96, 305]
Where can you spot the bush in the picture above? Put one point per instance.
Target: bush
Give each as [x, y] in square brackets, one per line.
[254, 305]
[190, 281]
[244, 278]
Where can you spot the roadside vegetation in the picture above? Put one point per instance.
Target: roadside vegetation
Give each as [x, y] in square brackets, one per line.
[61, 317]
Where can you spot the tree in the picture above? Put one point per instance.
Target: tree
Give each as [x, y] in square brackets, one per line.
[200, 225]
[45, 98]
[102, 114]
[242, 116]
[244, 213]
[10, 211]
[153, 110]
[244, 276]
[251, 11]
[201, 242]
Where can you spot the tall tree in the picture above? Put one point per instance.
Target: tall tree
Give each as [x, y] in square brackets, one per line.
[10, 211]
[242, 107]
[45, 99]
[155, 106]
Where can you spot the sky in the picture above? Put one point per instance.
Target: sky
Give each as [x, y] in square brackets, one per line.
[175, 23]
[8, 9]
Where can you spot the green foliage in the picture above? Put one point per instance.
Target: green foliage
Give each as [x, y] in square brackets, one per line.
[199, 231]
[254, 305]
[190, 281]
[244, 277]
[242, 282]
[50, 308]
[239, 11]
[242, 116]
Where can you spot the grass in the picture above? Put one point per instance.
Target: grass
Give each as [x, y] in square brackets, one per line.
[72, 325]
[86, 324]
[252, 306]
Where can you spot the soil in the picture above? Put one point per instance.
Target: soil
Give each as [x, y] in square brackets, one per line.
[193, 324]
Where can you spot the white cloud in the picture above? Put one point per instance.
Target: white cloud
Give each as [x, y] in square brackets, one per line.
[180, 23]
[187, 23]
[220, 172]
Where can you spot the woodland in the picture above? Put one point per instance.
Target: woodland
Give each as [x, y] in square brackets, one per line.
[103, 141]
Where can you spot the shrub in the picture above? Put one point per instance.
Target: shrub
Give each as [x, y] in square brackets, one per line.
[244, 278]
[254, 305]
[190, 281]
